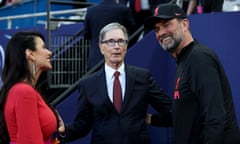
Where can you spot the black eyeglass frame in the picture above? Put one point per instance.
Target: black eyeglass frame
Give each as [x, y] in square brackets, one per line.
[112, 42]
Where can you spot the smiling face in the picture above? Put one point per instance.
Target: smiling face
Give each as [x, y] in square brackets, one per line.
[114, 54]
[169, 34]
[41, 56]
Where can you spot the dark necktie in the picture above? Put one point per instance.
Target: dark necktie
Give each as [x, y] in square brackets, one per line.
[117, 92]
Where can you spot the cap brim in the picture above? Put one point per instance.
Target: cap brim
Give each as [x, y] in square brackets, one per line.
[150, 22]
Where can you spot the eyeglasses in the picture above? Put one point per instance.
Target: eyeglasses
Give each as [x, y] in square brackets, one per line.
[112, 42]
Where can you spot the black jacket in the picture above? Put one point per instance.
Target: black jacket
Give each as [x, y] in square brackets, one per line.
[203, 110]
[97, 112]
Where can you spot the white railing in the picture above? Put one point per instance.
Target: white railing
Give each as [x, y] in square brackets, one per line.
[79, 12]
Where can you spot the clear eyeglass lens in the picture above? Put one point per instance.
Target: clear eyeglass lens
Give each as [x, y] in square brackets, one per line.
[112, 42]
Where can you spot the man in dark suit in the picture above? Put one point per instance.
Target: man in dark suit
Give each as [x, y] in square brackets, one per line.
[146, 9]
[125, 123]
[97, 17]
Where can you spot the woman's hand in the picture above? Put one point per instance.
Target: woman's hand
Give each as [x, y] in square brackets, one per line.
[61, 127]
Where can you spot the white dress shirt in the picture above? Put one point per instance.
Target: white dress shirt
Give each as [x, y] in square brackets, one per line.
[109, 72]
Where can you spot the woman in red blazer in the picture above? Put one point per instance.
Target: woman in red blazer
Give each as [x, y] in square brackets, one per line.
[25, 117]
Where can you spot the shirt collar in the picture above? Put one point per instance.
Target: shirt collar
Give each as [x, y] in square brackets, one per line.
[110, 71]
[185, 50]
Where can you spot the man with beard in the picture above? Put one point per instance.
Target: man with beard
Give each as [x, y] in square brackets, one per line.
[203, 110]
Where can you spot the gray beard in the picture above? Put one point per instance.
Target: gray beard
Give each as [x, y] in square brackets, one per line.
[172, 46]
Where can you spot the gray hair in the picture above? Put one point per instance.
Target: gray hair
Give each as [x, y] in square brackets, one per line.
[110, 27]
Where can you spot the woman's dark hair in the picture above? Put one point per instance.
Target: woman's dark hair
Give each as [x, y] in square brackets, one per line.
[3, 3]
[16, 69]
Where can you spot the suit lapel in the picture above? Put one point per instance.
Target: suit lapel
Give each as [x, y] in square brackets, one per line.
[130, 79]
[103, 92]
